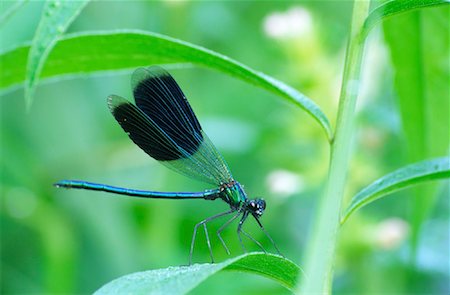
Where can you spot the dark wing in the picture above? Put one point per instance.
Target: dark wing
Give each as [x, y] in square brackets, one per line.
[165, 127]
[158, 95]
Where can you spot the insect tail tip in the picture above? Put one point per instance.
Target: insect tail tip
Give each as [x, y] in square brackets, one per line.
[59, 184]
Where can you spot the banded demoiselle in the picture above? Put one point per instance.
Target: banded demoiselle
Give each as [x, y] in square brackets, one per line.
[163, 124]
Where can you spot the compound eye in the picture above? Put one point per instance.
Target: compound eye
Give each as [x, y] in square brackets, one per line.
[262, 204]
[258, 206]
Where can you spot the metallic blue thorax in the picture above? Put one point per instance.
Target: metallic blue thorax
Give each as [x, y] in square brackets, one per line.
[233, 193]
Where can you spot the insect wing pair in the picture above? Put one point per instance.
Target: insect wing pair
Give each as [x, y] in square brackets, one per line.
[163, 124]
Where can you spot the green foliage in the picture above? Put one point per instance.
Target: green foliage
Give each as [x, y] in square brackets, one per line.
[93, 52]
[10, 11]
[419, 45]
[395, 7]
[405, 177]
[182, 279]
[320, 255]
[57, 16]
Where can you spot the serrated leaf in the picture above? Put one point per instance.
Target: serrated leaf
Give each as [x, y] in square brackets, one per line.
[405, 177]
[105, 51]
[394, 7]
[56, 17]
[182, 279]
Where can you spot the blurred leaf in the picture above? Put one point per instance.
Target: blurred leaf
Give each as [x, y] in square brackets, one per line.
[94, 52]
[391, 8]
[56, 17]
[182, 279]
[321, 249]
[11, 11]
[419, 45]
[400, 179]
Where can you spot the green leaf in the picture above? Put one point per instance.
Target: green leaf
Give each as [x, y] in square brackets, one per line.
[12, 9]
[182, 279]
[394, 7]
[105, 51]
[56, 17]
[321, 249]
[419, 48]
[405, 177]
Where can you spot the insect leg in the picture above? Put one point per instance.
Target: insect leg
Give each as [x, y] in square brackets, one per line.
[201, 223]
[267, 235]
[254, 240]
[208, 242]
[239, 229]
[222, 228]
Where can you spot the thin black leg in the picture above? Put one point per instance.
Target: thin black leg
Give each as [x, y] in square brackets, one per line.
[267, 235]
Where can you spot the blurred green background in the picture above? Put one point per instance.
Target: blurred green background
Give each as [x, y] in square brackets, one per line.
[62, 241]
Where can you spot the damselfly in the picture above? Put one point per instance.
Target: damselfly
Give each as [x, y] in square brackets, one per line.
[163, 124]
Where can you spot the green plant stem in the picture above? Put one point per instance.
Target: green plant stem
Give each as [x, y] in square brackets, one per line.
[321, 249]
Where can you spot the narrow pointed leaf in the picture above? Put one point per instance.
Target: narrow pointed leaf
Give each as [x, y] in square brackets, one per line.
[182, 279]
[394, 7]
[56, 17]
[104, 51]
[419, 50]
[400, 179]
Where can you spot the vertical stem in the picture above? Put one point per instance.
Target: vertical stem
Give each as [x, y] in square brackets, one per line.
[321, 249]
